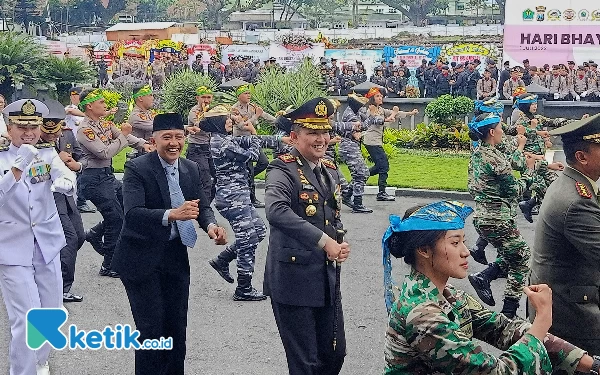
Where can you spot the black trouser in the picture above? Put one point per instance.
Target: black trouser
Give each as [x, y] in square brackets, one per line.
[200, 153]
[102, 188]
[307, 337]
[159, 305]
[70, 218]
[381, 167]
[254, 170]
[80, 197]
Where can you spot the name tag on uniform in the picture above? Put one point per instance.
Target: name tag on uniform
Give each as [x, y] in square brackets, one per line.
[308, 187]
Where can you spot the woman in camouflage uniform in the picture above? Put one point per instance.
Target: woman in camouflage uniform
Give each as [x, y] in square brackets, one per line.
[232, 198]
[496, 192]
[432, 324]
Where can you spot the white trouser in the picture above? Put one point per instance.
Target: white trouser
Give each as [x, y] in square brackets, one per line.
[25, 288]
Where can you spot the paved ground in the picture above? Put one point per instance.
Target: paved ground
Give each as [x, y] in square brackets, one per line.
[227, 337]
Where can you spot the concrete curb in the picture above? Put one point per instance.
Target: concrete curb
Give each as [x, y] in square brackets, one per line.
[438, 194]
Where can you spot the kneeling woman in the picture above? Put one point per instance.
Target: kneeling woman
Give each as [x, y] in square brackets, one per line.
[432, 324]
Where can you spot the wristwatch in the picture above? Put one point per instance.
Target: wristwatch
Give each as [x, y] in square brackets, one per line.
[595, 370]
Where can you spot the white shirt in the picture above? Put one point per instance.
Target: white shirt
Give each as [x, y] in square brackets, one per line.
[27, 210]
[72, 121]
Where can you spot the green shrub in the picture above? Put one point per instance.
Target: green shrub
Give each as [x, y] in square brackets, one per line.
[436, 136]
[179, 92]
[111, 98]
[448, 111]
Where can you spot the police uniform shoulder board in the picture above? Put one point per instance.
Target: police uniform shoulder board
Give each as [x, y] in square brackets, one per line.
[583, 190]
[328, 163]
[4, 148]
[44, 145]
[287, 158]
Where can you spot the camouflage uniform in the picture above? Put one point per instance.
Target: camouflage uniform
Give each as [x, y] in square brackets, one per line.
[351, 154]
[496, 192]
[536, 145]
[431, 334]
[230, 155]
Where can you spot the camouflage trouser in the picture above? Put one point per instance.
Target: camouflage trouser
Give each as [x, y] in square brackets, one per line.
[343, 182]
[543, 178]
[248, 227]
[513, 252]
[352, 156]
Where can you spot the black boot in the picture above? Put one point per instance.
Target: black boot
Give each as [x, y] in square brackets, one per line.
[510, 307]
[255, 202]
[347, 197]
[221, 264]
[478, 251]
[526, 208]
[481, 283]
[245, 291]
[358, 206]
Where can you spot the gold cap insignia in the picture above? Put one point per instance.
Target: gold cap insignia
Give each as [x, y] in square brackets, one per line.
[28, 108]
[321, 109]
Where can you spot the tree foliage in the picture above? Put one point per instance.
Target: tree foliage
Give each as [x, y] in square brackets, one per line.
[179, 92]
[64, 72]
[20, 56]
[417, 10]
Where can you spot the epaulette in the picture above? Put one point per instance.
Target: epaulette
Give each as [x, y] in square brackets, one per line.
[328, 163]
[287, 158]
[583, 190]
[4, 148]
[44, 145]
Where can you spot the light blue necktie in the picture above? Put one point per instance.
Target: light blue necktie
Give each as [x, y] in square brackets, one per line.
[186, 229]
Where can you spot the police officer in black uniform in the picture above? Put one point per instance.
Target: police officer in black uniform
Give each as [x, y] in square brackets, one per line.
[54, 131]
[303, 203]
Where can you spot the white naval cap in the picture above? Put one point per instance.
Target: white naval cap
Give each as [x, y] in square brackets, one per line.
[26, 112]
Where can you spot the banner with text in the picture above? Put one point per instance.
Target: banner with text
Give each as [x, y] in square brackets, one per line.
[368, 57]
[413, 55]
[291, 56]
[254, 51]
[551, 31]
[465, 52]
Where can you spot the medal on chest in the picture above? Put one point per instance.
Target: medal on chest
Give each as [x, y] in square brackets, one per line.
[39, 171]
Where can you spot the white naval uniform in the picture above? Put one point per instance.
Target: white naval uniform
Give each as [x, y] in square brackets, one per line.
[31, 237]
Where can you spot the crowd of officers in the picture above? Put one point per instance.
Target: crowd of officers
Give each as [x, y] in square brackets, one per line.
[165, 65]
[435, 78]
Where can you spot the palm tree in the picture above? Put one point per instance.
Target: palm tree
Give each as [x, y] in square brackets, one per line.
[20, 58]
[63, 72]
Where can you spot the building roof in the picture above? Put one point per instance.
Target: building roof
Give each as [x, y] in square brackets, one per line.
[133, 26]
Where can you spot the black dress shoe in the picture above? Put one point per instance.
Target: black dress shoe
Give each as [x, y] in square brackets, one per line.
[95, 240]
[106, 272]
[85, 209]
[258, 204]
[70, 297]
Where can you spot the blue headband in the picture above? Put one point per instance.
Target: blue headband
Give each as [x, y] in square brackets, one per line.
[474, 126]
[490, 106]
[529, 99]
[443, 215]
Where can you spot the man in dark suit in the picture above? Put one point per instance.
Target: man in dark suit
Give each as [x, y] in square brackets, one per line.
[566, 252]
[162, 194]
[303, 204]
[54, 130]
